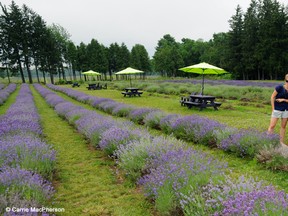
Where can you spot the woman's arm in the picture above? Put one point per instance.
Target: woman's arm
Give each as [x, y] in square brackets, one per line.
[273, 96]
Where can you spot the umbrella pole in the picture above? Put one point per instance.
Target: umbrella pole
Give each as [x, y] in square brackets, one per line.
[202, 81]
[130, 81]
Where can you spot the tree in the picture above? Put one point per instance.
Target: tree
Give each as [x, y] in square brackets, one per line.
[11, 26]
[139, 58]
[167, 58]
[72, 58]
[251, 41]
[190, 53]
[273, 43]
[97, 59]
[216, 50]
[235, 43]
[61, 36]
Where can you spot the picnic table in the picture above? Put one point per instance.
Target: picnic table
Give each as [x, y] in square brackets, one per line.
[201, 101]
[75, 84]
[132, 92]
[95, 86]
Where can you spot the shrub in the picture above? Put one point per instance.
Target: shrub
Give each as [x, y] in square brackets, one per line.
[166, 122]
[152, 119]
[28, 152]
[122, 110]
[249, 142]
[23, 188]
[175, 171]
[196, 129]
[138, 115]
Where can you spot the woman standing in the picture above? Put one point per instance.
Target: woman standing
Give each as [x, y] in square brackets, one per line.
[279, 103]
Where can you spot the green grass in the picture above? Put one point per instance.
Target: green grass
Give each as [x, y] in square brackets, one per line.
[86, 181]
[10, 100]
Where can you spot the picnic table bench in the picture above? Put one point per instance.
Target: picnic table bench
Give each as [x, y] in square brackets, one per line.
[75, 84]
[201, 101]
[132, 92]
[96, 86]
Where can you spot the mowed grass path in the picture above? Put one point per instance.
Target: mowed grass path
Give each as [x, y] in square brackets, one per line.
[85, 180]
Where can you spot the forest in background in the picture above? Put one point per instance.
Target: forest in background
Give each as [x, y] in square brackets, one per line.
[255, 47]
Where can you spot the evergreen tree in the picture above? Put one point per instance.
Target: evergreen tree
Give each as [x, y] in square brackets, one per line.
[139, 58]
[235, 43]
[167, 58]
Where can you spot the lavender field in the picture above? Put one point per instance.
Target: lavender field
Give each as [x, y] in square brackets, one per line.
[176, 177]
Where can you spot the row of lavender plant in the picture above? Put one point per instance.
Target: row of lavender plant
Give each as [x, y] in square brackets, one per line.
[244, 143]
[227, 82]
[4, 93]
[26, 161]
[178, 178]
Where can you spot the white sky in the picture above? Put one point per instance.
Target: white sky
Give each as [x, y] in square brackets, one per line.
[137, 21]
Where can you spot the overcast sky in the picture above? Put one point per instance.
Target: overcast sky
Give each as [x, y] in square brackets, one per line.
[137, 21]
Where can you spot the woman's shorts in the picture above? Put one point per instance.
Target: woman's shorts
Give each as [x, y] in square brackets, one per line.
[279, 114]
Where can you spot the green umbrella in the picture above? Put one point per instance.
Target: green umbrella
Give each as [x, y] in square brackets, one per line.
[129, 71]
[91, 73]
[203, 68]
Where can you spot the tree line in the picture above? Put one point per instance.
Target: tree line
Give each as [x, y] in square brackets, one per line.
[255, 47]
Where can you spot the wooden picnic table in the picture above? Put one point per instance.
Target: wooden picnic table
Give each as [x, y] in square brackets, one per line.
[201, 101]
[131, 91]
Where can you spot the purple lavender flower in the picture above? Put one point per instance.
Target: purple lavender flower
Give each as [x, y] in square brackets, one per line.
[166, 123]
[152, 119]
[26, 185]
[112, 138]
[258, 202]
[196, 128]
[249, 142]
[122, 110]
[138, 115]
[27, 152]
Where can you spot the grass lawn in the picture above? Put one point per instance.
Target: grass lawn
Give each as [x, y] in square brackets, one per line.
[86, 182]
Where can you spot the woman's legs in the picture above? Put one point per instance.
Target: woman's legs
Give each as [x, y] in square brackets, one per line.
[272, 125]
[283, 129]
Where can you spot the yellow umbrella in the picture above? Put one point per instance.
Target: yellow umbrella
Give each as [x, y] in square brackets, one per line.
[91, 73]
[203, 68]
[129, 71]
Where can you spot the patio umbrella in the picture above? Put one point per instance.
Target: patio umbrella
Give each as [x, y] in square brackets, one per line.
[203, 68]
[129, 71]
[91, 73]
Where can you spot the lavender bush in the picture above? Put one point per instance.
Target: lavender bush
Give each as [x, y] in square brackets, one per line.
[122, 110]
[27, 152]
[267, 201]
[4, 93]
[24, 157]
[213, 198]
[107, 106]
[111, 139]
[22, 188]
[249, 143]
[167, 121]
[197, 129]
[152, 119]
[138, 115]
[175, 172]
[134, 157]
